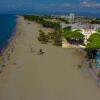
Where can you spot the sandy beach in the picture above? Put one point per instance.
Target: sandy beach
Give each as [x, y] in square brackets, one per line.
[51, 76]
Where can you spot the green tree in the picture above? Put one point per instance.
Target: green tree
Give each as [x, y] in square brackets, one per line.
[56, 37]
[95, 21]
[42, 20]
[92, 47]
[66, 29]
[94, 44]
[64, 20]
[94, 36]
[75, 36]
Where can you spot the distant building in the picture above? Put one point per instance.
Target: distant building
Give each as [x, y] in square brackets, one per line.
[96, 27]
[71, 17]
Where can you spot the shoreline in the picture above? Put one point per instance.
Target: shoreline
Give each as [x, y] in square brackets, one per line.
[11, 38]
[10, 43]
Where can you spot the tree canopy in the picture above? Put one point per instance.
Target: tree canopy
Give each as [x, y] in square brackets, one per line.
[42, 20]
[94, 44]
[94, 36]
[74, 35]
[64, 20]
[95, 21]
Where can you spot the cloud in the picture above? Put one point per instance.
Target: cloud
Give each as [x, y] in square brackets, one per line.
[89, 4]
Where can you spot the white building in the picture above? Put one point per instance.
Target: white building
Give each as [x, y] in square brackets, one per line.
[71, 17]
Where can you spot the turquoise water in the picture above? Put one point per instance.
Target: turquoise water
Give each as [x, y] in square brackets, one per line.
[7, 27]
[98, 60]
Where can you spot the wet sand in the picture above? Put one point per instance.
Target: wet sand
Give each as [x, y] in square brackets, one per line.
[51, 76]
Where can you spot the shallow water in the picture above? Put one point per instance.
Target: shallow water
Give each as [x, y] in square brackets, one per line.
[7, 25]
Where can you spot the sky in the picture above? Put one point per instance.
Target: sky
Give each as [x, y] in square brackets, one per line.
[92, 6]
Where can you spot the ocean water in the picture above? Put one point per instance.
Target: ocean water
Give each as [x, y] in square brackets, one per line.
[7, 28]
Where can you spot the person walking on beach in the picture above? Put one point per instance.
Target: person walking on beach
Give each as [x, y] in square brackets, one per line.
[41, 52]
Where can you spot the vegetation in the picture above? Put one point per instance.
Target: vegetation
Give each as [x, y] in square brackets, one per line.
[98, 74]
[43, 38]
[56, 38]
[42, 20]
[50, 24]
[93, 45]
[93, 37]
[66, 29]
[64, 20]
[74, 37]
[95, 21]
[34, 18]
[48, 17]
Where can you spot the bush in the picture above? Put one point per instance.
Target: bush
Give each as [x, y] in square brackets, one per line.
[64, 20]
[41, 20]
[98, 74]
[95, 21]
[56, 38]
[43, 38]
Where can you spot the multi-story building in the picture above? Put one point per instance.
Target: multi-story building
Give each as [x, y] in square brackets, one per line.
[71, 17]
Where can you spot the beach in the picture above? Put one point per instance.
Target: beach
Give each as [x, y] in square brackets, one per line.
[51, 76]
